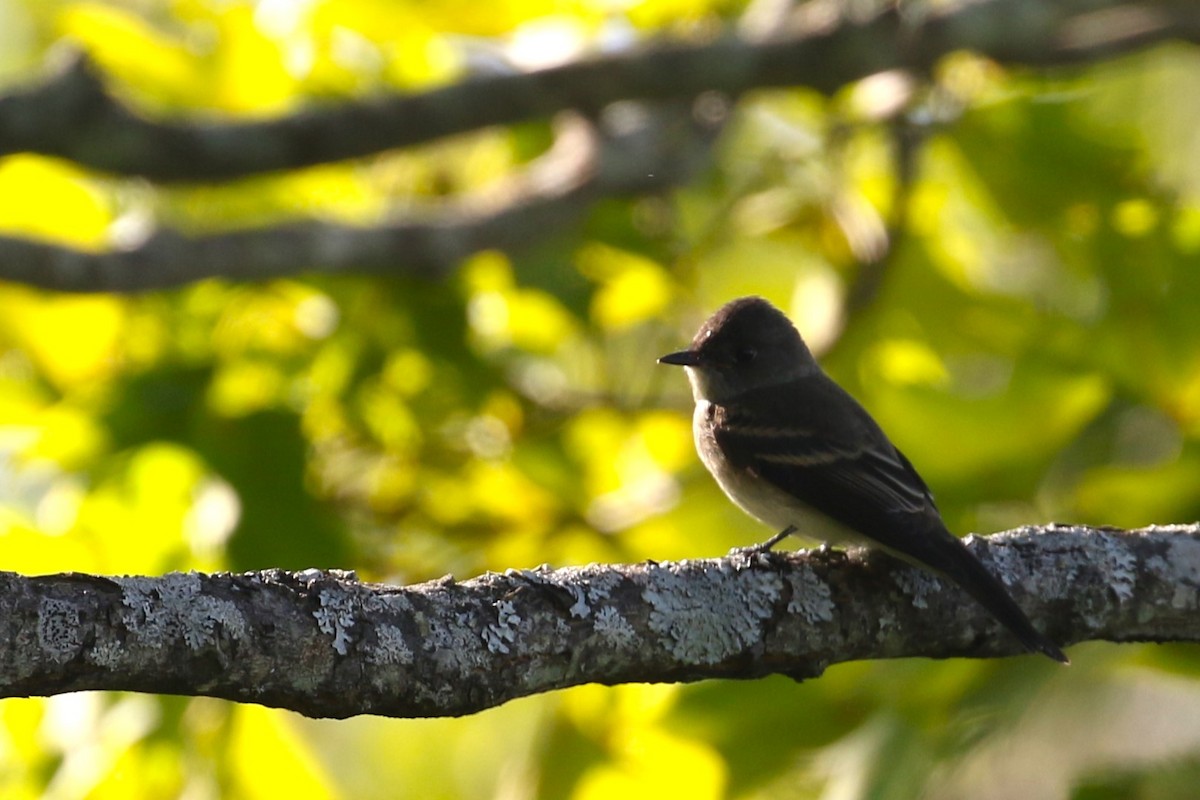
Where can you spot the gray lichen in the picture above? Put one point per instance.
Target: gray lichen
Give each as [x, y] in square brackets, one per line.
[336, 617]
[698, 615]
[811, 597]
[499, 635]
[176, 607]
[917, 584]
[1122, 566]
[614, 628]
[58, 629]
[455, 646]
[390, 646]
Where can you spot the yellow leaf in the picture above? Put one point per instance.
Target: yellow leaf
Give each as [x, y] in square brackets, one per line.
[49, 199]
[269, 759]
[155, 66]
[75, 341]
[907, 362]
[250, 71]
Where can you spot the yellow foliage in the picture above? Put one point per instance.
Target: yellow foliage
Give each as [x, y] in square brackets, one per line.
[907, 362]
[49, 199]
[250, 74]
[486, 273]
[244, 386]
[31, 551]
[338, 192]
[151, 769]
[97, 738]
[1133, 496]
[445, 498]
[504, 315]
[269, 759]
[591, 438]
[1134, 217]
[390, 482]
[75, 341]
[68, 436]
[500, 491]
[633, 289]
[504, 407]
[21, 717]
[390, 419]
[284, 318]
[601, 712]
[147, 507]
[407, 371]
[660, 13]
[645, 760]
[654, 765]
[667, 438]
[489, 755]
[329, 372]
[765, 266]
[420, 57]
[537, 321]
[1185, 229]
[1185, 405]
[157, 67]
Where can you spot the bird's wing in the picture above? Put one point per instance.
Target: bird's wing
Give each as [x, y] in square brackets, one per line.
[882, 476]
[861, 481]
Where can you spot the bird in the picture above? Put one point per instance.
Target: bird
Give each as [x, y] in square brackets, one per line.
[796, 451]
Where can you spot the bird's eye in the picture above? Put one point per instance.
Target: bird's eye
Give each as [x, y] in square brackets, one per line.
[746, 355]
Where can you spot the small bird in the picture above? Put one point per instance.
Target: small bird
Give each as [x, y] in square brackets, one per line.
[796, 451]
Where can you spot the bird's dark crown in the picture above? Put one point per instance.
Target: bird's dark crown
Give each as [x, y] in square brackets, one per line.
[746, 345]
[744, 329]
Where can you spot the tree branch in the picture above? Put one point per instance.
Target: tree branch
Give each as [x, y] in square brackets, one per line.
[627, 151]
[326, 645]
[73, 115]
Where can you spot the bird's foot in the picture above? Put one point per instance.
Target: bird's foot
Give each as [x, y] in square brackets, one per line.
[757, 551]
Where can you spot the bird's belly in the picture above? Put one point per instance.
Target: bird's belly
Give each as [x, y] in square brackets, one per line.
[778, 510]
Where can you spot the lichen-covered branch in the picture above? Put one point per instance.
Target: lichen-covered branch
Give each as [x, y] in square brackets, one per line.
[72, 115]
[326, 645]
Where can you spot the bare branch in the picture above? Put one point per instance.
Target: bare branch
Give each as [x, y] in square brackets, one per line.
[73, 115]
[325, 645]
[630, 150]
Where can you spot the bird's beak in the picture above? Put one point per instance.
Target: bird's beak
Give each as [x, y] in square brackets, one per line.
[684, 358]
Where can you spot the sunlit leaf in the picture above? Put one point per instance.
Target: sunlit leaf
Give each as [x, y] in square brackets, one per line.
[48, 199]
[267, 756]
[157, 66]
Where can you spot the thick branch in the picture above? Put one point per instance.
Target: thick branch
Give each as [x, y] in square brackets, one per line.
[72, 115]
[325, 645]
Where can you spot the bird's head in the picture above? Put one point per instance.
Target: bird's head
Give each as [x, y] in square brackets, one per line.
[747, 344]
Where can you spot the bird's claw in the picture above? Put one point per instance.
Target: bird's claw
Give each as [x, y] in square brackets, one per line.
[762, 550]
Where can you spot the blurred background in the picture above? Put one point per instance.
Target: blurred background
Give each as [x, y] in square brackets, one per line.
[1002, 265]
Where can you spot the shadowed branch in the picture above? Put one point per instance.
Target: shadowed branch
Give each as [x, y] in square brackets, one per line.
[72, 114]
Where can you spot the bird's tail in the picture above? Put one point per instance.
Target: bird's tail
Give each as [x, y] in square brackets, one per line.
[961, 566]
